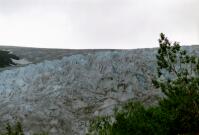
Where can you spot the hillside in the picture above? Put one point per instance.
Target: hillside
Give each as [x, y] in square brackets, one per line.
[62, 89]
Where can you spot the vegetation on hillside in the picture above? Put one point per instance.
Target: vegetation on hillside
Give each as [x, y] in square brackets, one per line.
[177, 113]
[6, 58]
[16, 129]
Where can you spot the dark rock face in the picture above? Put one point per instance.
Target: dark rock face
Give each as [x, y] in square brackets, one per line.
[6, 58]
[60, 96]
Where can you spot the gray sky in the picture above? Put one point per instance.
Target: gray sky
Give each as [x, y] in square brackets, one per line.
[97, 23]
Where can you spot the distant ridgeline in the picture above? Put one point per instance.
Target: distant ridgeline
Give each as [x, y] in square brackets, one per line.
[6, 58]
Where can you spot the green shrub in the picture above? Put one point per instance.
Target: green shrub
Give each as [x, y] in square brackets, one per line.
[13, 130]
[132, 118]
[16, 129]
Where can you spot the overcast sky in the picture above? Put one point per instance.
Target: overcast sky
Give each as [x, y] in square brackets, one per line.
[97, 23]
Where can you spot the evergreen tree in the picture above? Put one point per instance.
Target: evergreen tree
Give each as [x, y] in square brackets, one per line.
[178, 74]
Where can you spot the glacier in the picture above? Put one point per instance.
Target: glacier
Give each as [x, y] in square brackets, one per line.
[60, 96]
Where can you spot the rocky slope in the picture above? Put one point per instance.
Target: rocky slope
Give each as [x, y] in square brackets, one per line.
[60, 96]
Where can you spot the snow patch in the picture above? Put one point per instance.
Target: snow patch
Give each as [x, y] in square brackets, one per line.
[21, 61]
